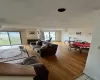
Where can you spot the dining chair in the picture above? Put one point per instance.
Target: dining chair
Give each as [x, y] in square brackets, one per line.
[71, 46]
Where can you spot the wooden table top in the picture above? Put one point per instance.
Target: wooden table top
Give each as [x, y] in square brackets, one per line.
[7, 69]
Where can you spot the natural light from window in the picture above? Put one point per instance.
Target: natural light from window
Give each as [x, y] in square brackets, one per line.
[48, 35]
[10, 38]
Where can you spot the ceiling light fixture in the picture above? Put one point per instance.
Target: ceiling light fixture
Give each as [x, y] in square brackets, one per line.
[61, 9]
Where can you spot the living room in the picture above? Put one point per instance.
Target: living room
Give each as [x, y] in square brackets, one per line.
[49, 39]
[31, 36]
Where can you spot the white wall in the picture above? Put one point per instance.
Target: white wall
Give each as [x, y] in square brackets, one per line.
[58, 35]
[71, 32]
[40, 34]
[31, 36]
[23, 37]
[92, 68]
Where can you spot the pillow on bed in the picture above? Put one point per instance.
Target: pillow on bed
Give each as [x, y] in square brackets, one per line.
[10, 52]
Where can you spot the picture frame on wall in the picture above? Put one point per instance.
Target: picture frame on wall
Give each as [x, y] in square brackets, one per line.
[31, 32]
[78, 33]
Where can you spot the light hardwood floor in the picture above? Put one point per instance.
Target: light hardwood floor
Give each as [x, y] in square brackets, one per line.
[65, 65]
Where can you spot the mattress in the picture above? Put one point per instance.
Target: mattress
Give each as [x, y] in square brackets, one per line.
[11, 53]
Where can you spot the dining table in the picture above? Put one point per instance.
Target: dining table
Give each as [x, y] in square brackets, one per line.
[81, 45]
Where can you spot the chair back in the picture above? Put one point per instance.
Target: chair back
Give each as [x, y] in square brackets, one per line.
[70, 44]
[49, 40]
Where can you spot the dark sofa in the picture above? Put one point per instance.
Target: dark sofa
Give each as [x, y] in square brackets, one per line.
[46, 51]
[49, 51]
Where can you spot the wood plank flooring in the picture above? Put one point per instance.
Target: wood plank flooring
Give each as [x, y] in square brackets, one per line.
[65, 65]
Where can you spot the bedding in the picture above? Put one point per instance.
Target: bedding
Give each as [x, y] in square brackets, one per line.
[11, 53]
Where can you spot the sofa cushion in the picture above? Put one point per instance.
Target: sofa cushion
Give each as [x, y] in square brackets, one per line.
[36, 46]
[44, 45]
[37, 50]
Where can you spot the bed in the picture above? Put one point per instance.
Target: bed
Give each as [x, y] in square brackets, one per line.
[12, 53]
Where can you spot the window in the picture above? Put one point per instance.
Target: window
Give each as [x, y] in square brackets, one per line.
[10, 38]
[52, 35]
[48, 35]
[14, 38]
[4, 39]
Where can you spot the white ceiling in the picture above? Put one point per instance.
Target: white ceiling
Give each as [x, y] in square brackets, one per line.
[43, 13]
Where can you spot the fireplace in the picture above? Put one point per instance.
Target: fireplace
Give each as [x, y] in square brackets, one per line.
[33, 41]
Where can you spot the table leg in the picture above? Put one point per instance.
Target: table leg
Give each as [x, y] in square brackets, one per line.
[80, 50]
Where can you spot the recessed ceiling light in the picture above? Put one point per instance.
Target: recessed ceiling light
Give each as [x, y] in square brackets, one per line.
[61, 9]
